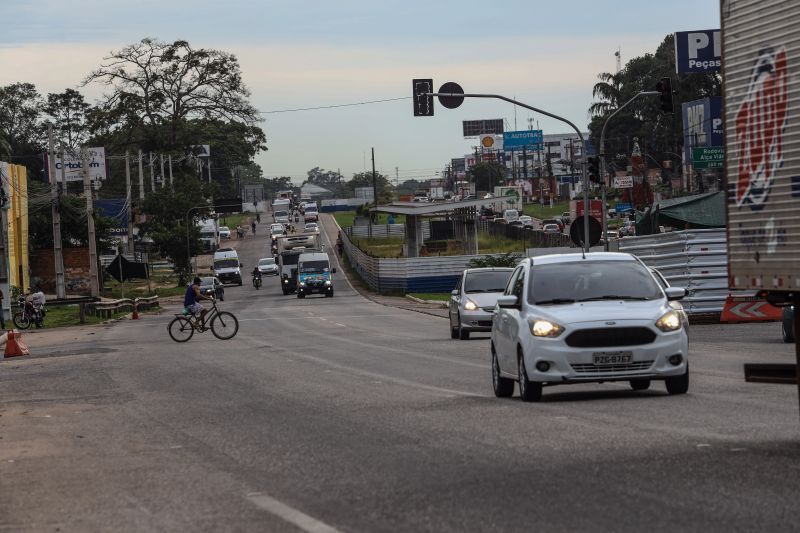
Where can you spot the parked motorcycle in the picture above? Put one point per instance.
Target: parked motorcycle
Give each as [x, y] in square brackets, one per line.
[29, 314]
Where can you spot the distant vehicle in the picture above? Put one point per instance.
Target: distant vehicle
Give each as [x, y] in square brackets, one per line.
[227, 266]
[517, 223]
[277, 229]
[511, 215]
[612, 213]
[311, 226]
[311, 215]
[289, 249]
[573, 318]
[420, 198]
[566, 218]
[281, 217]
[209, 234]
[212, 286]
[526, 220]
[314, 274]
[555, 221]
[472, 302]
[500, 220]
[551, 228]
[267, 266]
[612, 236]
[281, 204]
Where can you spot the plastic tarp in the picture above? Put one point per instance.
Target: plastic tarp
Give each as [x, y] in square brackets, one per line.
[700, 211]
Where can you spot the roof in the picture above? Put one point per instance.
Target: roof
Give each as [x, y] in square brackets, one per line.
[310, 188]
[315, 256]
[699, 211]
[428, 208]
[571, 258]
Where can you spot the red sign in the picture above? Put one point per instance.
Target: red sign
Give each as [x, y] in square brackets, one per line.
[595, 209]
[748, 309]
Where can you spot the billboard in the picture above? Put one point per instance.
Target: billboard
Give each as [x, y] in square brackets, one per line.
[702, 124]
[491, 142]
[698, 51]
[531, 139]
[475, 128]
[73, 165]
[117, 211]
[457, 164]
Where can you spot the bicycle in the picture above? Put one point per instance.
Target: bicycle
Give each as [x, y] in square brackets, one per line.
[221, 323]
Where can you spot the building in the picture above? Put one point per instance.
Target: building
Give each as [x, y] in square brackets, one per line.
[14, 264]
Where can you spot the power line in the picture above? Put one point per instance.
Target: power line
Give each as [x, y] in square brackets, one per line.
[334, 106]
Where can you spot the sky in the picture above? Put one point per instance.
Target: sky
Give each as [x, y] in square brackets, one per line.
[299, 54]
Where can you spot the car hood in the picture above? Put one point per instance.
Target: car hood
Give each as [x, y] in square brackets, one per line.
[484, 299]
[604, 310]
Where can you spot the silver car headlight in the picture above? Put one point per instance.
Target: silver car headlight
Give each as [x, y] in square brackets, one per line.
[470, 305]
[545, 328]
[669, 322]
[327, 282]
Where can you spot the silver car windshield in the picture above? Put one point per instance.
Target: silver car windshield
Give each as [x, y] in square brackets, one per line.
[585, 281]
[491, 281]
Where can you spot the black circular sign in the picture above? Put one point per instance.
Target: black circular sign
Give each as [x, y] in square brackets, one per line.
[576, 231]
[451, 102]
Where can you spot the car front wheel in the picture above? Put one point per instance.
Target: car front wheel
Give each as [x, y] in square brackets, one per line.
[678, 384]
[529, 391]
[503, 387]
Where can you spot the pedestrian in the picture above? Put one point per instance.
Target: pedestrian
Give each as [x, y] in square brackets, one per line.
[2, 313]
[258, 218]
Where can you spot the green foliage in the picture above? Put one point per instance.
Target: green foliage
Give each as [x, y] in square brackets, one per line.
[486, 175]
[68, 112]
[509, 259]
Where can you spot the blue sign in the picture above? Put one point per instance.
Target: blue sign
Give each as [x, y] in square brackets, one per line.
[702, 124]
[522, 139]
[116, 210]
[622, 207]
[698, 51]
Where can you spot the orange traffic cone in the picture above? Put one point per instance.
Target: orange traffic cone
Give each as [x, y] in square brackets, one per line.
[135, 315]
[14, 345]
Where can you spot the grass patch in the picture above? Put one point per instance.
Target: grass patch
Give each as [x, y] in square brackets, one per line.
[391, 247]
[160, 285]
[345, 218]
[437, 296]
[67, 315]
[542, 212]
[487, 244]
[238, 219]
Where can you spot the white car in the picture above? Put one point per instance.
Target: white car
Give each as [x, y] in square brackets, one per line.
[277, 229]
[551, 228]
[526, 220]
[311, 227]
[224, 232]
[267, 266]
[574, 319]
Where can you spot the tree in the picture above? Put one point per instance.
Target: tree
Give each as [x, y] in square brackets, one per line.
[486, 175]
[273, 185]
[160, 85]
[20, 110]
[327, 179]
[68, 112]
[364, 179]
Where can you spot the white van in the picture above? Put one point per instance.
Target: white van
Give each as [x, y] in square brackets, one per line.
[227, 266]
[511, 215]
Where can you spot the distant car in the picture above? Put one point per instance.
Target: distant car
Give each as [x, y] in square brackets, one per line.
[526, 220]
[551, 228]
[787, 323]
[612, 236]
[517, 223]
[500, 220]
[277, 229]
[472, 302]
[555, 221]
[267, 266]
[212, 286]
[281, 217]
[582, 318]
[311, 227]
[566, 218]
[224, 232]
[310, 215]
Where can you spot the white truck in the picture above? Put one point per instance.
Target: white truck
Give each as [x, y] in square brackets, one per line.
[761, 69]
[209, 234]
[289, 249]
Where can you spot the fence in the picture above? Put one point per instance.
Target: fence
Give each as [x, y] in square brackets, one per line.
[383, 231]
[694, 259]
[534, 238]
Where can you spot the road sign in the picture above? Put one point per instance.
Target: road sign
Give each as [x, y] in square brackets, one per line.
[451, 102]
[623, 182]
[576, 231]
[708, 157]
[531, 139]
[749, 309]
[423, 104]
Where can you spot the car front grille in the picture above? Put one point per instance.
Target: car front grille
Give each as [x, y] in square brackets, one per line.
[589, 368]
[610, 337]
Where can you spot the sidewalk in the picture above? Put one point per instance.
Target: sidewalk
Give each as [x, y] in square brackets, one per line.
[331, 229]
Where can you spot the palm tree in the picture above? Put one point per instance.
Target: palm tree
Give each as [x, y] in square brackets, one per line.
[609, 91]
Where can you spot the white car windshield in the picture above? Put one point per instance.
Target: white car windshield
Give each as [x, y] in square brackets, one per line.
[584, 281]
[266, 261]
[492, 281]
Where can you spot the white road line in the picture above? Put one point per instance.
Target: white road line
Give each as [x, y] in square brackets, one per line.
[315, 317]
[290, 514]
[340, 324]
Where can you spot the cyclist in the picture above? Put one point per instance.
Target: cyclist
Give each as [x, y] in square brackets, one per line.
[253, 227]
[191, 301]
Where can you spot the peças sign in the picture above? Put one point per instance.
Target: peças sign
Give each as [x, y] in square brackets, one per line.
[698, 51]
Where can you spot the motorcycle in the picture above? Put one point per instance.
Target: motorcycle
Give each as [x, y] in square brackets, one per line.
[257, 282]
[29, 314]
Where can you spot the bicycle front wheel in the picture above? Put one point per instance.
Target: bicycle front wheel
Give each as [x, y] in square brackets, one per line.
[180, 329]
[224, 325]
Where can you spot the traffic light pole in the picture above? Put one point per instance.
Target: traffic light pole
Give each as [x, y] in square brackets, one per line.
[551, 115]
[603, 159]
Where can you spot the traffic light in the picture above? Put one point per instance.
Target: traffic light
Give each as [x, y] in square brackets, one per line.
[594, 169]
[665, 88]
[423, 104]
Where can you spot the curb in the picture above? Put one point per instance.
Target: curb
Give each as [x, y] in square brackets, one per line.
[440, 303]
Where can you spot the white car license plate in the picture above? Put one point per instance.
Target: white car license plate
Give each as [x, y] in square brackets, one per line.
[612, 358]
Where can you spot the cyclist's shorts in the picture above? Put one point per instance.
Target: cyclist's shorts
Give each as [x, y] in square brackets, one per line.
[195, 308]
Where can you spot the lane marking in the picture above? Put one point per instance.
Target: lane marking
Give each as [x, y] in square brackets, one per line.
[316, 317]
[290, 514]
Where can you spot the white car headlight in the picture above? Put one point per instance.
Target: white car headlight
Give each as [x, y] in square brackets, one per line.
[327, 282]
[545, 328]
[669, 322]
[302, 283]
[470, 305]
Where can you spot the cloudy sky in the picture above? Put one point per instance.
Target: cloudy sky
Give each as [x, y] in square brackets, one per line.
[297, 54]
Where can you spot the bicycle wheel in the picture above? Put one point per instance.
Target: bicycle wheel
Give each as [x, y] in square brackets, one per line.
[22, 320]
[224, 325]
[180, 329]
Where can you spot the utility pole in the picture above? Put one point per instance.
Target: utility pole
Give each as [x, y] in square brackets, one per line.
[524, 163]
[141, 176]
[87, 191]
[163, 176]
[152, 174]
[209, 168]
[58, 253]
[171, 182]
[128, 201]
[374, 179]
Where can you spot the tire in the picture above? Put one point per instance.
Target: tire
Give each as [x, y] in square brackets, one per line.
[21, 320]
[503, 387]
[640, 384]
[529, 391]
[224, 325]
[678, 384]
[180, 329]
[463, 334]
[453, 332]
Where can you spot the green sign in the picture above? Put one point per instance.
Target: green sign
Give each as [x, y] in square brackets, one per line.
[706, 157]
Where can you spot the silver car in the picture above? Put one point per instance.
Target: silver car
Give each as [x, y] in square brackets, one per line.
[472, 301]
[267, 266]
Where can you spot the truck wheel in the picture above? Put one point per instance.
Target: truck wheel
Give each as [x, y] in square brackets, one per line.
[300, 295]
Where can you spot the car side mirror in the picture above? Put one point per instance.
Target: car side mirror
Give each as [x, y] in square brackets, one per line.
[454, 292]
[507, 302]
[675, 293]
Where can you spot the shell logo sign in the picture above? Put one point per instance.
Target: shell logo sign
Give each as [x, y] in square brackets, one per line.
[491, 142]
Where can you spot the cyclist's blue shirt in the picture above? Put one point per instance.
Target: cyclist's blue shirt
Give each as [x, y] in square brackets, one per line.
[190, 297]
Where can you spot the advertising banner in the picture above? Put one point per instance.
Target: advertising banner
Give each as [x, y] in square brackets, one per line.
[517, 140]
[698, 51]
[491, 142]
[116, 210]
[623, 182]
[475, 128]
[702, 120]
[73, 165]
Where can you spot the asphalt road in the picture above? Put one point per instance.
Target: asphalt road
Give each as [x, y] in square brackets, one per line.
[329, 414]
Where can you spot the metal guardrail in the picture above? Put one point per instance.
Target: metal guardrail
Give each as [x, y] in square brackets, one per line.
[694, 259]
[107, 309]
